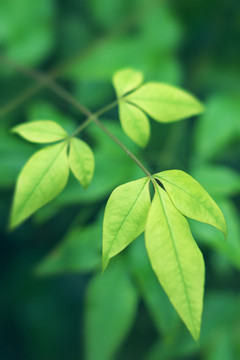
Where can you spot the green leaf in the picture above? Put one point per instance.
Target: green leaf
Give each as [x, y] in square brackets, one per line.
[42, 178]
[81, 161]
[220, 181]
[78, 252]
[111, 306]
[176, 259]
[135, 123]
[191, 199]
[165, 102]
[126, 80]
[125, 217]
[42, 131]
[159, 307]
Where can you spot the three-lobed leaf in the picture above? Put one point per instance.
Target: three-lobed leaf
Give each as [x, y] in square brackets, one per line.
[41, 131]
[42, 178]
[125, 217]
[126, 80]
[135, 123]
[165, 102]
[191, 199]
[176, 259]
[81, 161]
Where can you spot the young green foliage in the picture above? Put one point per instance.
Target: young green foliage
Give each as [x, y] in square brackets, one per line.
[126, 80]
[176, 259]
[164, 102]
[135, 123]
[42, 131]
[81, 161]
[43, 177]
[125, 217]
[191, 199]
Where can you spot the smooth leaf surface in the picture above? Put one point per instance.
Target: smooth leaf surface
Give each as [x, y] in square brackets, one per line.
[42, 131]
[125, 217]
[135, 123]
[110, 311]
[165, 102]
[42, 178]
[191, 199]
[81, 161]
[176, 259]
[126, 80]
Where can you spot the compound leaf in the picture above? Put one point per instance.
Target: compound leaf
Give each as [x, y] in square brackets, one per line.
[191, 199]
[110, 311]
[126, 80]
[42, 131]
[165, 102]
[42, 178]
[81, 161]
[135, 123]
[176, 259]
[125, 217]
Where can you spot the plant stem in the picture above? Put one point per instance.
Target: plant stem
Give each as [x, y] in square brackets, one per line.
[92, 117]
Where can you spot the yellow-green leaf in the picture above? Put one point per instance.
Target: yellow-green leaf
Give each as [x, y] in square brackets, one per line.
[176, 259]
[81, 161]
[135, 123]
[126, 80]
[125, 217]
[41, 131]
[191, 199]
[165, 102]
[42, 178]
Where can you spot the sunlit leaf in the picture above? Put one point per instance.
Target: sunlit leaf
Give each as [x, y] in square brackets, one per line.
[135, 123]
[42, 178]
[110, 311]
[191, 199]
[176, 259]
[164, 102]
[126, 80]
[42, 131]
[125, 217]
[81, 161]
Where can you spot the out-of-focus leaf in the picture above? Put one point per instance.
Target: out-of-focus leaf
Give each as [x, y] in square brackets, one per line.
[135, 123]
[176, 259]
[42, 131]
[218, 127]
[219, 181]
[28, 41]
[42, 178]
[191, 199]
[81, 161]
[78, 252]
[110, 311]
[13, 154]
[164, 102]
[125, 217]
[126, 80]
[163, 314]
[210, 236]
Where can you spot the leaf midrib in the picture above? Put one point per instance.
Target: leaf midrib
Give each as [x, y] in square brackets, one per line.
[107, 256]
[178, 261]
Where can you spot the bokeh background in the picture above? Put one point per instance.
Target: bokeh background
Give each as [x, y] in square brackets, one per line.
[55, 304]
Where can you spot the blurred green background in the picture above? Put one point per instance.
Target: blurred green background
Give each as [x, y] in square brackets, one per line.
[55, 304]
